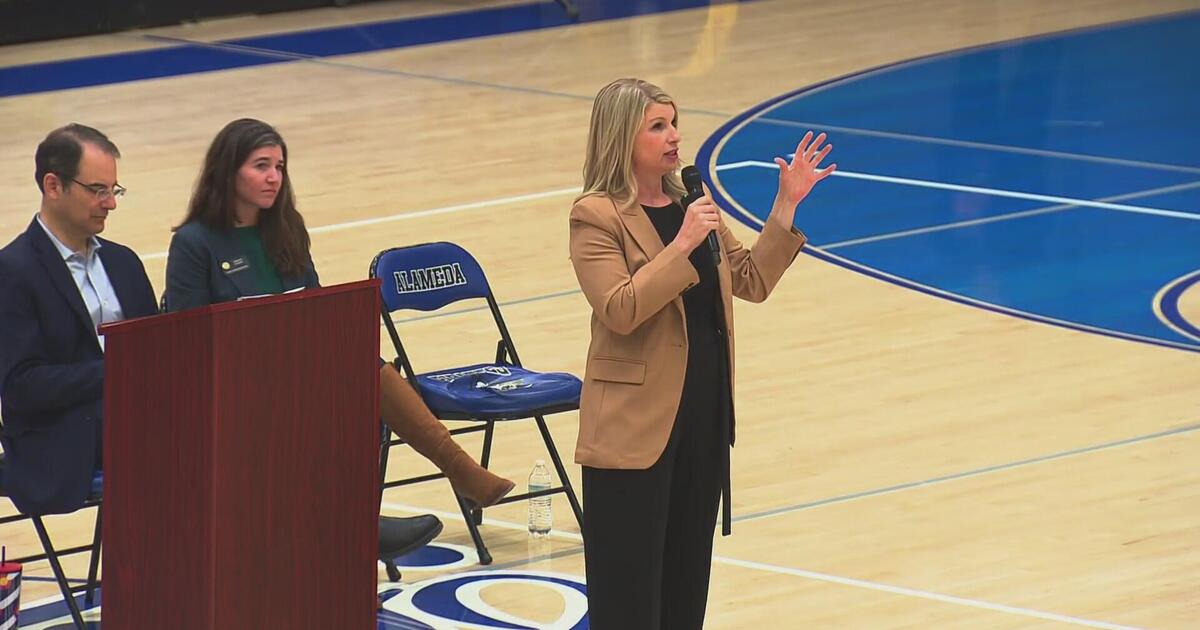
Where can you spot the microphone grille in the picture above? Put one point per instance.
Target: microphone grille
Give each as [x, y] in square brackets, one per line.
[691, 177]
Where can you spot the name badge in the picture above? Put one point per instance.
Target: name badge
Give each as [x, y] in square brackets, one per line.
[233, 266]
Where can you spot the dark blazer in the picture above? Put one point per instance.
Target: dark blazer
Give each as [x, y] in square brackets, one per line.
[206, 266]
[52, 369]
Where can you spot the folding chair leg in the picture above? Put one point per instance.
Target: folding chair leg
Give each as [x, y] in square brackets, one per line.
[481, 550]
[558, 467]
[385, 436]
[63, 586]
[384, 448]
[484, 458]
[94, 565]
[488, 433]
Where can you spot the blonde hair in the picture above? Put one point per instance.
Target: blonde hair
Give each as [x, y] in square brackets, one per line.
[617, 116]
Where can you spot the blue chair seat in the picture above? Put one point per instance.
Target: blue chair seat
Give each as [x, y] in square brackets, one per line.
[497, 391]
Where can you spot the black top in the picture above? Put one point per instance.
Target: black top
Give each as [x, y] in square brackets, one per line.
[706, 396]
[702, 301]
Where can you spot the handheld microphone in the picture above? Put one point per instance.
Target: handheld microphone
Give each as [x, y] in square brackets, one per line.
[695, 190]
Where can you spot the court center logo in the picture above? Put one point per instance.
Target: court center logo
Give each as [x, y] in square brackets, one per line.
[451, 602]
[457, 601]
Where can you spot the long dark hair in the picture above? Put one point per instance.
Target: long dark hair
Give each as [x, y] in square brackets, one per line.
[284, 236]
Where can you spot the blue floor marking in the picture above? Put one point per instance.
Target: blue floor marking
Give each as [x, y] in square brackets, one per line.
[1099, 270]
[320, 43]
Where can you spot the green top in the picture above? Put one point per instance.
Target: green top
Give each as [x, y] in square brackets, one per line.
[264, 270]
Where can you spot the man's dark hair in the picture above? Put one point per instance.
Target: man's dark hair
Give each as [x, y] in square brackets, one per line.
[62, 149]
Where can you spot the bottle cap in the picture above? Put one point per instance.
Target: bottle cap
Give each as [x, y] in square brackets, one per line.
[540, 462]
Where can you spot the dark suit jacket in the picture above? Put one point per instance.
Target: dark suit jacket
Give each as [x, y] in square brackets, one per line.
[206, 266]
[52, 369]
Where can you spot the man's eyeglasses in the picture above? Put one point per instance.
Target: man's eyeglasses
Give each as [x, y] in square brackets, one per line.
[102, 192]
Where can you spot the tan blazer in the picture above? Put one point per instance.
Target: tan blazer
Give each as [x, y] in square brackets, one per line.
[638, 353]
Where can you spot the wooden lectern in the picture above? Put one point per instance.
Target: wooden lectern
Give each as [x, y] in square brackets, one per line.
[241, 452]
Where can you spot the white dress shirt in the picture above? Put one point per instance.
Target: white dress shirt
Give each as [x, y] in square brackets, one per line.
[92, 280]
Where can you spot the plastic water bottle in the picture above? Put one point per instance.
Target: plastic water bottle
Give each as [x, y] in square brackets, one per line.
[540, 517]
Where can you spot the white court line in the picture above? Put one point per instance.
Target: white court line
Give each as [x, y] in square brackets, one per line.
[986, 146]
[997, 192]
[735, 165]
[813, 575]
[444, 210]
[420, 214]
[912, 592]
[1002, 217]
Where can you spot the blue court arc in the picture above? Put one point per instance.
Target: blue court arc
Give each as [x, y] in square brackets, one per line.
[1052, 178]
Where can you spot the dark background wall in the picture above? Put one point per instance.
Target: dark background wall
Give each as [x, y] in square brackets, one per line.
[33, 20]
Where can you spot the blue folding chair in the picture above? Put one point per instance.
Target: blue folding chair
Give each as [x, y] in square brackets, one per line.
[52, 555]
[429, 277]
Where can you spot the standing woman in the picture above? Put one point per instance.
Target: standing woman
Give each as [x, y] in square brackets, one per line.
[656, 416]
[243, 236]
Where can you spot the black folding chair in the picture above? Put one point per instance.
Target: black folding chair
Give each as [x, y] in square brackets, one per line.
[432, 276]
[53, 555]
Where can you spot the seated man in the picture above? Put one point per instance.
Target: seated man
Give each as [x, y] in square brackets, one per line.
[58, 282]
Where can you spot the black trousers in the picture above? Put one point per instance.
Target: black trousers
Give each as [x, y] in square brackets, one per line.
[648, 534]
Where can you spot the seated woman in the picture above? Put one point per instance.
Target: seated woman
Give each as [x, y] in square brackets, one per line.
[243, 236]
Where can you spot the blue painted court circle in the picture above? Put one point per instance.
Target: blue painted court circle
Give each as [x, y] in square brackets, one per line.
[1015, 177]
